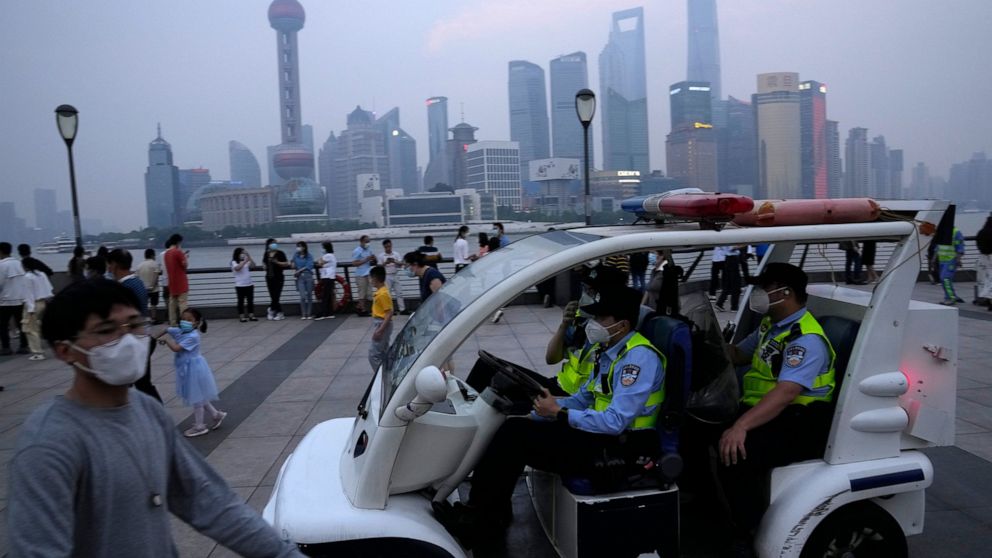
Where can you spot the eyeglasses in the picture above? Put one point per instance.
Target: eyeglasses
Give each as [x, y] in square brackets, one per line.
[108, 331]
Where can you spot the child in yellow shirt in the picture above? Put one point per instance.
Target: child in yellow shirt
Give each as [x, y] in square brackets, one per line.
[382, 317]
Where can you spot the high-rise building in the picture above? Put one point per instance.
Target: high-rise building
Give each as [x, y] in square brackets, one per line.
[919, 185]
[879, 184]
[462, 136]
[244, 165]
[691, 147]
[623, 94]
[778, 126]
[45, 210]
[737, 150]
[835, 168]
[161, 184]
[704, 45]
[292, 158]
[325, 164]
[494, 167]
[528, 112]
[359, 149]
[813, 127]
[401, 149]
[691, 153]
[569, 75]
[690, 103]
[895, 174]
[191, 185]
[438, 168]
[857, 172]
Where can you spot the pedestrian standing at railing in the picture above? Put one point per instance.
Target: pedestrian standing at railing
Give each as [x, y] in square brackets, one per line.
[868, 248]
[274, 261]
[949, 256]
[149, 272]
[176, 262]
[362, 259]
[391, 262]
[328, 265]
[984, 241]
[241, 264]
[304, 274]
[717, 261]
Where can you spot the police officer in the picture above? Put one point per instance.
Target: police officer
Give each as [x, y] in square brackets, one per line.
[613, 414]
[784, 414]
[949, 258]
[569, 343]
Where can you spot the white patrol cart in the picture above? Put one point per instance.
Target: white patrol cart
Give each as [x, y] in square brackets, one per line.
[363, 486]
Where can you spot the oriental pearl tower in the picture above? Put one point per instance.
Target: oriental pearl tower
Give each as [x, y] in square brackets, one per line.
[292, 159]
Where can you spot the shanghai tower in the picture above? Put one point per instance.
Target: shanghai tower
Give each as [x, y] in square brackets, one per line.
[292, 159]
[704, 45]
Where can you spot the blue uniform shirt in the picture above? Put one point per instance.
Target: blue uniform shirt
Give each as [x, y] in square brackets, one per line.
[303, 262]
[814, 357]
[629, 397]
[358, 254]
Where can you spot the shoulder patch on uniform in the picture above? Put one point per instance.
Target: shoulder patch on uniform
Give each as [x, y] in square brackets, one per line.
[629, 374]
[795, 355]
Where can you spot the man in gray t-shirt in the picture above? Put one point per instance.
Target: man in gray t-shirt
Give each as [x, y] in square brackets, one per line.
[97, 471]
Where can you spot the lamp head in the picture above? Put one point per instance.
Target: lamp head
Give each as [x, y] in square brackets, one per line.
[67, 119]
[585, 106]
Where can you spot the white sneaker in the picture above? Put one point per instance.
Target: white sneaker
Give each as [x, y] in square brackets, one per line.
[279, 316]
[195, 431]
[269, 315]
[37, 356]
[303, 317]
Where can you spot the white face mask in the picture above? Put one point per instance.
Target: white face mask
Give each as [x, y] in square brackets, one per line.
[118, 363]
[759, 300]
[597, 333]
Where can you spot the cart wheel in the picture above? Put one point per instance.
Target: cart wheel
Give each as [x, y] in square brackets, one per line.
[855, 530]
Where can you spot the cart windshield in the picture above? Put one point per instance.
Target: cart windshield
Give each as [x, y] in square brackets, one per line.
[460, 292]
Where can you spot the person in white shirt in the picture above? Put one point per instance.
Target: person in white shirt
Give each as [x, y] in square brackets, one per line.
[241, 263]
[328, 266]
[11, 300]
[37, 293]
[392, 261]
[149, 272]
[716, 269]
[462, 256]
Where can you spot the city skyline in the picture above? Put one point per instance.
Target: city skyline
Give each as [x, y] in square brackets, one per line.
[446, 50]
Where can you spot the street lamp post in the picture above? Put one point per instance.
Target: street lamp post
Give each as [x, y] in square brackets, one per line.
[585, 107]
[67, 119]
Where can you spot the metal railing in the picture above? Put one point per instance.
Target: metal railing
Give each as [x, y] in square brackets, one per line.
[214, 287]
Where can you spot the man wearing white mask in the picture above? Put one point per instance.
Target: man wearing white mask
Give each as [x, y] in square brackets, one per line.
[613, 414]
[785, 410]
[99, 470]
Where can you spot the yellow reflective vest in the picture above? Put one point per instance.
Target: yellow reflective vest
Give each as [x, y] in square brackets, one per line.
[602, 399]
[767, 362]
[577, 368]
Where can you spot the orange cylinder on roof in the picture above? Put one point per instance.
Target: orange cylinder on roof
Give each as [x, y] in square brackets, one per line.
[770, 213]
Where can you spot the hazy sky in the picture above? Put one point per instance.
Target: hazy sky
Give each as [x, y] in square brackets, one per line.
[916, 71]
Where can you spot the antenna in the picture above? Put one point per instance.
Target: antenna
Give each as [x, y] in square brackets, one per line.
[462, 104]
[159, 130]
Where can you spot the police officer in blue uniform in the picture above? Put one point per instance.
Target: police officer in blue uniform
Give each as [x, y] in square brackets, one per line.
[613, 414]
[784, 413]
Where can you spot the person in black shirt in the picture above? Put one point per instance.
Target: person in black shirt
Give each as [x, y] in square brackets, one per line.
[431, 254]
[274, 261]
[430, 278]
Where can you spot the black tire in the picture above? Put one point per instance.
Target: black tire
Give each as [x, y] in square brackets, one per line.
[861, 529]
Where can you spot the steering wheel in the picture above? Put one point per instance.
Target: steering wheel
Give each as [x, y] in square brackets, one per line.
[518, 375]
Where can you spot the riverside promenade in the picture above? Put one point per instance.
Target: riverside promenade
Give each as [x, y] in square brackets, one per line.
[280, 378]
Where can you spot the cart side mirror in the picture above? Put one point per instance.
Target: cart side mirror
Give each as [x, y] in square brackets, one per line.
[432, 387]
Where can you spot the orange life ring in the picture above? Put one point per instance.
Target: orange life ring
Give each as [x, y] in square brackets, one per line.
[340, 303]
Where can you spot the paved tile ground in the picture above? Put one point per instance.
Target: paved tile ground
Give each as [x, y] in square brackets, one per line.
[321, 372]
